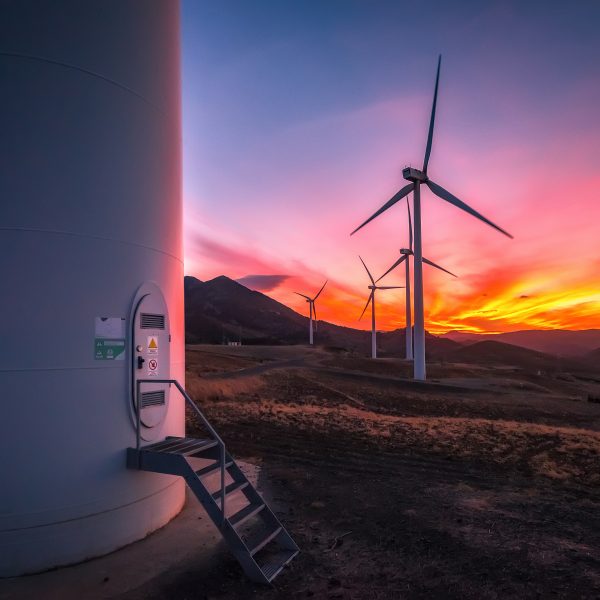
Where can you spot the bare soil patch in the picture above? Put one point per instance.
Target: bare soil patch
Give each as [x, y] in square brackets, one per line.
[395, 490]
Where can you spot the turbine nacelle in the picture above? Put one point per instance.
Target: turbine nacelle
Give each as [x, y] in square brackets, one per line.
[414, 175]
[406, 251]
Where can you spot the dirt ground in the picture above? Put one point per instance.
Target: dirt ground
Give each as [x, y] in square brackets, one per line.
[482, 483]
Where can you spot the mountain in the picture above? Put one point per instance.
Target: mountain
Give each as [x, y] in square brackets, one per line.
[500, 353]
[216, 309]
[222, 309]
[557, 342]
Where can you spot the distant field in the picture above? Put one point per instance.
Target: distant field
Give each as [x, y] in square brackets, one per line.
[482, 483]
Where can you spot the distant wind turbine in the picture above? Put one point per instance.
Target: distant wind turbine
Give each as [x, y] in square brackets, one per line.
[313, 310]
[405, 253]
[373, 287]
[417, 177]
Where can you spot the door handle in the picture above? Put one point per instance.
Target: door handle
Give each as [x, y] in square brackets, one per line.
[141, 361]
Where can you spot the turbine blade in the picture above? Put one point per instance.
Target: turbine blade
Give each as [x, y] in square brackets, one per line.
[320, 290]
[299, 294]
[398, 262]
[432, 121]
[315, 313]
[432, 264]
[410, 231]
[368, 272]
[390, 287]
[366, 306]
[446, 195]
[407, 189]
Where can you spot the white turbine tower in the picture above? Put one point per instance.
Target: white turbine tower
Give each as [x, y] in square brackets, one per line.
[313, 310]
[373, 287]
[416, 178]
[405, 253]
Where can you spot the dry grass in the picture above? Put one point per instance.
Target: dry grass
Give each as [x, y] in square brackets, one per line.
[446, 493]
[211, 390]
[306, 403]
[552, 452]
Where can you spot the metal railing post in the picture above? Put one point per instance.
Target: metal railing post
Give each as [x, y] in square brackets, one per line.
[138, 410]
[222, 484]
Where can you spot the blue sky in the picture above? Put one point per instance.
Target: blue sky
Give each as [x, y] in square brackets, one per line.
[298, 117]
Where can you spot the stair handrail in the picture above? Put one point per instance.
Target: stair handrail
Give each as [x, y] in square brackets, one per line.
[199, 414]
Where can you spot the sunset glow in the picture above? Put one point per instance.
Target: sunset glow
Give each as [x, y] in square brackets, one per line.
[297, 126]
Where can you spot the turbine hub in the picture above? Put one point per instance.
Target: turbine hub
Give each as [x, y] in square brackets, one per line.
[414, 174]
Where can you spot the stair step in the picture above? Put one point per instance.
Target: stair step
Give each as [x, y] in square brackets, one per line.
[190, 447]
[181, 446]
[230, 489]
[197, 448]
[246, 513]
[246, 538]
[210, 469]
[164, 444]
[261, 540]
[175, 447]
[276, 562]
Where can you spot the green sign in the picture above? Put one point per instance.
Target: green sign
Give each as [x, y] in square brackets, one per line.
[109, 349]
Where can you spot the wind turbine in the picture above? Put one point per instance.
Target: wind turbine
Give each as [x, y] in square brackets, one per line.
[313, 310]
[374, 287]
[416, 178]
[405, 253]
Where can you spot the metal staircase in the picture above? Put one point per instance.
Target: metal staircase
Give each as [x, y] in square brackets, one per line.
[253, 533]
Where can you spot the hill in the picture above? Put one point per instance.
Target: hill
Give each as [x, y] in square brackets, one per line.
[500, 353]
[216, 310]
[557, 342]
[222, 309]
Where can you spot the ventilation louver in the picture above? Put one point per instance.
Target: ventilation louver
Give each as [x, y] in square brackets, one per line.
[156, 398]
[150, 321]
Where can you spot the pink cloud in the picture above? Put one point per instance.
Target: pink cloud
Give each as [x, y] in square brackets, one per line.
[542, 185]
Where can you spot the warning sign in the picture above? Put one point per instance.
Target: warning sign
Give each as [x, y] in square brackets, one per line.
[152, 344]
[152, 366]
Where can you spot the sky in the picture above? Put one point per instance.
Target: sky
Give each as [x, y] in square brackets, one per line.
[298, 118]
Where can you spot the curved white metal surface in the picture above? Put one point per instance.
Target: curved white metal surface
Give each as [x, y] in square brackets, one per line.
[90, 209]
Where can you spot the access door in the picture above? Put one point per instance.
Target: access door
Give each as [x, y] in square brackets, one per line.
[151, 358]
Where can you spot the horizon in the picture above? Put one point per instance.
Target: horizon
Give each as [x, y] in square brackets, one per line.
[212, 416]
[401, 328]
[277, 175]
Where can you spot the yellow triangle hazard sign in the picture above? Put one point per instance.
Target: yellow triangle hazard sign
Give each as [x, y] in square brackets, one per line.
[153, 345]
